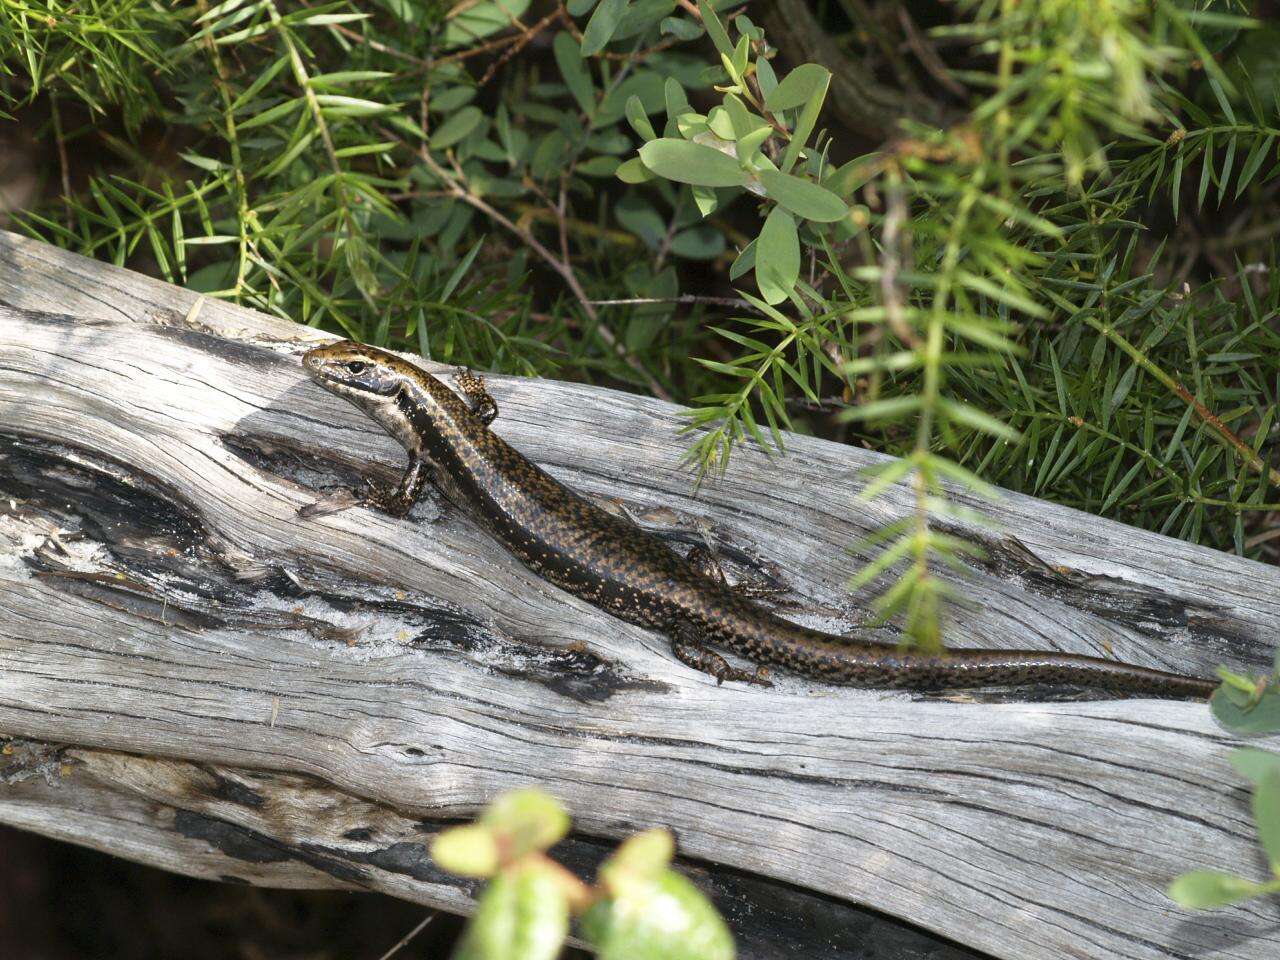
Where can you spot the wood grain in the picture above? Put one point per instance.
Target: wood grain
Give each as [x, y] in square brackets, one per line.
[159, 596]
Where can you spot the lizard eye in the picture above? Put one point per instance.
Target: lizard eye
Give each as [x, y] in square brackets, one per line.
[356, 367]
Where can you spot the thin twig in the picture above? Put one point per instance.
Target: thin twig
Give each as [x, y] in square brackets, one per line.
[928, 56]
[60, 138]
[517, 44]
[686, 298]
[409, 936]
[565, 271]
[303, 80]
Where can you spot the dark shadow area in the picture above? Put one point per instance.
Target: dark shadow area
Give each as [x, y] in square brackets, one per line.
[62, 902]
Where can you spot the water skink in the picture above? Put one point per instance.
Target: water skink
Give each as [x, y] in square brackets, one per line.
[627, 571]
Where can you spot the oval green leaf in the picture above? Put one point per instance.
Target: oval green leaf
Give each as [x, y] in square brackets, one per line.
[797, 87]
[480, 20]
[1204, 889]
[633, 171]
[701, 242]
[575, 73]
[804, 198]
[600, 28]
[456, 127]
[664, 919]
[638, 119]
[777, 257]
[686, 162]
[528, 820]
[469, 851]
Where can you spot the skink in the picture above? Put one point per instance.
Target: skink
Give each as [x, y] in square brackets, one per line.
[623, 569]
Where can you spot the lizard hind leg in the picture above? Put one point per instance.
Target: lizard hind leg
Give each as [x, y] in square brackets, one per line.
[687, 645]
[473, 390]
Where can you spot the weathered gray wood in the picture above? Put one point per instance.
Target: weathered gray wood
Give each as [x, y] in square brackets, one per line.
[413, 665]
[284, 830]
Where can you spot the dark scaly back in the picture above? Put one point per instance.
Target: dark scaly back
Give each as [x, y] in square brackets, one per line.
[614, 564]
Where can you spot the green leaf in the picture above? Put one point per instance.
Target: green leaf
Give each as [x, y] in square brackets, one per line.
[702, 242]
[578, 8]
[777, 257]
[854, 174]
[1266, 816]
[456, 128]
[325, 81]
[798, 87]
[806, 123]
[337, 105]
[666, 918]
[638, 119]
[1254, 764]
[681, 29]
[705, 199]
[279, 111]
[1261, 150]
[721, 124]
[751, 143]
[460, 271]
[476, 22]
[745, 261]
[639, 217]
[576, 76]
[686, 162]
[767, 78]
[715, 29]
[529, 820]
[640, 859]
[744, 121]
[1262, 717]
[674, 96]
[600, 28]
[741, 57]
[972, 416]
[804, 198]
[599, 167]
[1203, 889]
[522, 915]
[469, 851]
[633, 171]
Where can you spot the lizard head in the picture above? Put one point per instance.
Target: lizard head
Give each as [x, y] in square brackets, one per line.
[357, 372]
[411, 404]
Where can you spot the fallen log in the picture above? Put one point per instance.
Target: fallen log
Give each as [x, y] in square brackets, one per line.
[161, 599]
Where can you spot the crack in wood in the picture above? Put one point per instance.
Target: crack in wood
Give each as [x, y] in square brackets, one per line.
[1147, 610]
[142, 552]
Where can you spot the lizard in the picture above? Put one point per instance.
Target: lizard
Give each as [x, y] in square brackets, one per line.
[629, 572]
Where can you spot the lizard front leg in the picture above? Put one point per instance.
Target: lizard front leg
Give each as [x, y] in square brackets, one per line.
[399, 501]
[477, 396]
[396, 501]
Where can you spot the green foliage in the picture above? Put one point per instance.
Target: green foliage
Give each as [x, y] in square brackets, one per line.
[640, 909]
[99, 52]
[1244, 706]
